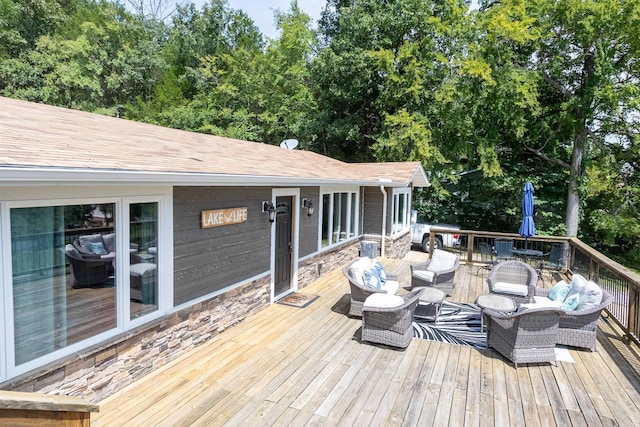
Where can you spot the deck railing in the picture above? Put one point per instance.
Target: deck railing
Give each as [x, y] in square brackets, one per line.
[621, 282]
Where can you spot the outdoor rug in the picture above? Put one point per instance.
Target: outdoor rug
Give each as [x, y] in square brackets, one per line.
[298, 300]
[459, 323]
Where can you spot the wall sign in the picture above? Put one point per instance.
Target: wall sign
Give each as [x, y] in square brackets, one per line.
[219, 217]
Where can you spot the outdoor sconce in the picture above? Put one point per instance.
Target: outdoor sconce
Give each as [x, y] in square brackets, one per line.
[306, 203]
[270, 210]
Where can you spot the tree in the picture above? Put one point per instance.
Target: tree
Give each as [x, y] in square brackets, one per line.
[585, 57]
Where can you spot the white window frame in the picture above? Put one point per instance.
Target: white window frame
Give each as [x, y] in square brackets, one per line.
[162, 195]
[353, 233]
[397, 227]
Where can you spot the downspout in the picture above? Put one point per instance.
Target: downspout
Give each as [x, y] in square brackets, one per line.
[384, 221]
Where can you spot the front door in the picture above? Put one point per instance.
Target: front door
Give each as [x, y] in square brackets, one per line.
[284, 249]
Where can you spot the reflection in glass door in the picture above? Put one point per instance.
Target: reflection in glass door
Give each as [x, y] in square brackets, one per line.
[143, 268]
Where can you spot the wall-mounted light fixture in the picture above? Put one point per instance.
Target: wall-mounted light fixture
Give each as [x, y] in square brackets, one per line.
[270, 210]
[306, 203]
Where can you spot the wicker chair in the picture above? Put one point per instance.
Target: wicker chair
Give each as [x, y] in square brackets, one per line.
[359, 292]
[390, 325]
[524, 337]
[514, 279]
[579, 328]
[425, 274]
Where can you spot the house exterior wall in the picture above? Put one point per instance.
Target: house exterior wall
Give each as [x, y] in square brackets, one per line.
[372, 210]
[211, 259]
[309, 225]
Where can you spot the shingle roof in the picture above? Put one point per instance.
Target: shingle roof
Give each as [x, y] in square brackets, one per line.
[37, 139]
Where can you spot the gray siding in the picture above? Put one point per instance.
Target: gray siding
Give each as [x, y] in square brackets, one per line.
[206, 260]
[309, 225]
[372, 211]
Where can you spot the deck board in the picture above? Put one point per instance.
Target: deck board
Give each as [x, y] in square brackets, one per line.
[308, 366]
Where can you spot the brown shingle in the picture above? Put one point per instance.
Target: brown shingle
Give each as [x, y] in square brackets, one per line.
[37, 136]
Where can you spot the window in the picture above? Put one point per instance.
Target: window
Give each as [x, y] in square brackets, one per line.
[401, 210]
[143, 266]
[64, 281]
[70, 264]
[339, 217]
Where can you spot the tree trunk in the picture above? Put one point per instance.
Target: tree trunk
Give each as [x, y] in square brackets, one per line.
[585, 94]
[572, 218]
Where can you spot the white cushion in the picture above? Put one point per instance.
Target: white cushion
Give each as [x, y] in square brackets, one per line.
[442, 261]
[590, 297]
[358, 268]
[391, 286]
[380, 300]
[511, 289]
[542, 304]
[141, 268]
[424, 275]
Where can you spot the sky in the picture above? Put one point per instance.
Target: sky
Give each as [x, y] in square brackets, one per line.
[261, 11]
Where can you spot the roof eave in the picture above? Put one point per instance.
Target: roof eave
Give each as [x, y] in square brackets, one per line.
[44, 176]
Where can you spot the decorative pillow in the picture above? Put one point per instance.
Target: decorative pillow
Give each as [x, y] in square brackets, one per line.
[560, 291]
[591, 296]
[371, 279]
[577, 285]
[511, 289]
[571, 302]
[109, 242]
[98, 248]
[383, 301]
[358, 268]
[380, 269]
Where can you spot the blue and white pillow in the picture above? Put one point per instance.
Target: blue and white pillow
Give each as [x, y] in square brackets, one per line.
[371, 279]
[560, 291]
[571, 302]
[98, 248]
[377, 265]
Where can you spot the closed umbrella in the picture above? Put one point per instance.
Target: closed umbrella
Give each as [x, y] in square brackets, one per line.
[527, 228]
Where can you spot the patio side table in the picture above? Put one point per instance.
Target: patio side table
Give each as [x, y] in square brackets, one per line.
[432, 296]
[494, 302]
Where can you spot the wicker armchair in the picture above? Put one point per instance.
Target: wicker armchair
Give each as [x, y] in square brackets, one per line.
[524, 337]
[514, 279]
[439, 271]
[360, 292]
[390, 325]
[579, 328]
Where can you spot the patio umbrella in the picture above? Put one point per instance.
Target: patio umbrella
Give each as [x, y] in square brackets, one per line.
[527, 228]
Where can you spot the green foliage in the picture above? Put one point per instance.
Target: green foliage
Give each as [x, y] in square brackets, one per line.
[537, 90]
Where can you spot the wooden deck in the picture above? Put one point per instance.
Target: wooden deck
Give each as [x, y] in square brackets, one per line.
[306, 366]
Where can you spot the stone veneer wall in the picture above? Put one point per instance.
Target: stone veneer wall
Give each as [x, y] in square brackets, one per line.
[101, 371]
[398, 247]
[312, 268]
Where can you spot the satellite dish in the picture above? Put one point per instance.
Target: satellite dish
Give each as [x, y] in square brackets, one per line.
[289, 144]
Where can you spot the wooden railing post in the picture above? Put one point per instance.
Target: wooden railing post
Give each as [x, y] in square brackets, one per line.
[28, 409]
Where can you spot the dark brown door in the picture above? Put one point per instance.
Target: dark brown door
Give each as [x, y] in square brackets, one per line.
[284, 250]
